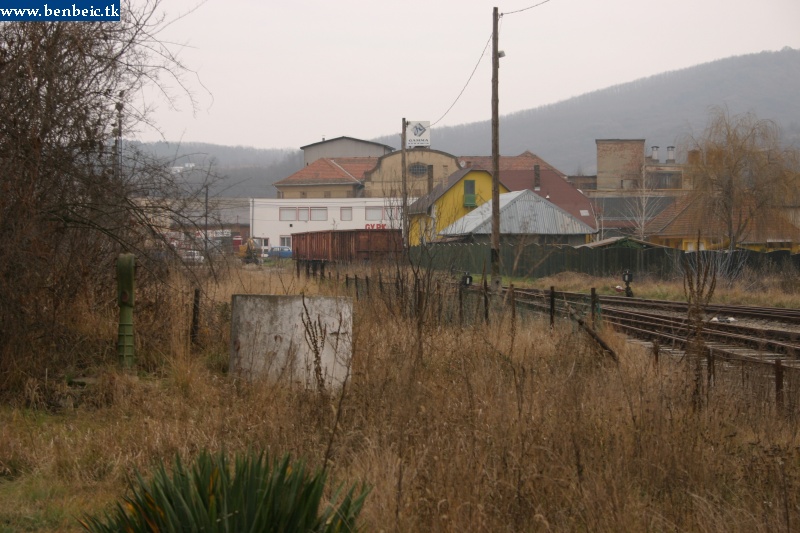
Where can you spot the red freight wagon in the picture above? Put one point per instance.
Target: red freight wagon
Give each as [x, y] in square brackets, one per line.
[344, 246]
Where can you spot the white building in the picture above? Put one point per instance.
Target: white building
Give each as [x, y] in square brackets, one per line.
[272, 220]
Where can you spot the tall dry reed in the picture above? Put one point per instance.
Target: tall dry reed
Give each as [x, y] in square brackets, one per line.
[470, 427]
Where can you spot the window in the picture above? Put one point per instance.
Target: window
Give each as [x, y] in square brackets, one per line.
[664, 180]
[469, 193]
[287, 213]
[346, 213]
[418, 170]
[373, 213]
[302, 214]
[280, 194]
[286, 240]
[319, 213]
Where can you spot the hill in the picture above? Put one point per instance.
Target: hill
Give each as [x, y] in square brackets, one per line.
[662, 109]
[245, 171]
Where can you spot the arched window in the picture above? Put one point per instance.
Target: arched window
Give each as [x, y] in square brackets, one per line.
[418, 170]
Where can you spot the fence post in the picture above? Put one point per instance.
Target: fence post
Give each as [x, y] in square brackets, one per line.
[367, 279]
[460, 305]
[441, 299]
[593, 304]
[355, 284]
[195, 316]
[513, 306]
[779, 386]
[656, 350]
[710, 370]
[552, 307]
[485, 300]
[346, 281]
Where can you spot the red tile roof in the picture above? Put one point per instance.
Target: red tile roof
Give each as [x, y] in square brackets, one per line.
[331, 171]
[524, 161]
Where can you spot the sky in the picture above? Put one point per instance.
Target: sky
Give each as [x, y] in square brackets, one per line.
[271, 74]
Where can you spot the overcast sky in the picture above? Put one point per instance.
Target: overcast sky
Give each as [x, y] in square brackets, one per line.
[286, 74]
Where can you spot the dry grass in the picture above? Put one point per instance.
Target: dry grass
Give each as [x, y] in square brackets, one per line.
[490, 428]
[768, 289]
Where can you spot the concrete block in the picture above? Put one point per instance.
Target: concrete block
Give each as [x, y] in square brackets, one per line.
[294, 339]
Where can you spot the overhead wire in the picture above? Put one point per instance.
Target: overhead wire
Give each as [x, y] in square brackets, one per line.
[483, 53]
[524, 8]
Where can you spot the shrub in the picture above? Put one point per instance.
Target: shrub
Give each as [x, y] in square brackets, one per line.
[212, 496]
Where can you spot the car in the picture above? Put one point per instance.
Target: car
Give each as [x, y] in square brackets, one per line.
[192, 256]
[280, 252]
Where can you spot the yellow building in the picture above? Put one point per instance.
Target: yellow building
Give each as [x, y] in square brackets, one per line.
[370, 177]
[689, 220]
[463, 191]
[425, 169]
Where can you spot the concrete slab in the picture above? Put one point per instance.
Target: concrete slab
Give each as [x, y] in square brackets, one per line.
[296, 339]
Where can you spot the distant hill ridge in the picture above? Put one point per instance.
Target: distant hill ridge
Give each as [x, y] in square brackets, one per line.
[662, 109]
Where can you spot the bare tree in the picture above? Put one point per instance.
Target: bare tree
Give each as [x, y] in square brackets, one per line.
[71, 197]
[741, 172]
[640, 208]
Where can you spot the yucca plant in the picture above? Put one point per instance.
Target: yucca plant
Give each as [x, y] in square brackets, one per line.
[211, 496]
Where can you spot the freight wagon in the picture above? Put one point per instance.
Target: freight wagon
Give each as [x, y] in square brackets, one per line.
[347, 246]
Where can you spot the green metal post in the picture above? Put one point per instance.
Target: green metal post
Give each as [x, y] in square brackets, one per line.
[125, 288]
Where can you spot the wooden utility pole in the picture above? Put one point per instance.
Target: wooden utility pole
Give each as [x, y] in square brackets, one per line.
[404, 176]
[495, 258]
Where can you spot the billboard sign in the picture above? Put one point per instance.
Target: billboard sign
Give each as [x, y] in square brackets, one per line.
[418, 133]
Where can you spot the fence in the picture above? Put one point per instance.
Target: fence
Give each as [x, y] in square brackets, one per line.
[441, 300]
[537, 261]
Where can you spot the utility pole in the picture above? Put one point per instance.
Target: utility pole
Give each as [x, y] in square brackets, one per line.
[495, 258]
[404, 176]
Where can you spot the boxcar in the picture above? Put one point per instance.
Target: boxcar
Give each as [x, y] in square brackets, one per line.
[346, 246]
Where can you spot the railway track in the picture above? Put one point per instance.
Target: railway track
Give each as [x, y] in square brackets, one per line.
[743, 333]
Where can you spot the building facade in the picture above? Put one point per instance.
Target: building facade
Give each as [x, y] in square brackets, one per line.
[425, 169]
[464, 190]
[343, 147]
[273, 221]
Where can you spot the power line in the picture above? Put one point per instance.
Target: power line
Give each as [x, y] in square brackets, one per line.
[524, 8]
[483, 53]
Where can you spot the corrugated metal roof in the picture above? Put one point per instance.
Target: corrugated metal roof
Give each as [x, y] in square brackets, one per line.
[521, 213]
[611, 241]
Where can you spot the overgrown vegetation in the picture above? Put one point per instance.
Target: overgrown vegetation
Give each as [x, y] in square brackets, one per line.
[71, 198]
[494, 427]
[744, 176]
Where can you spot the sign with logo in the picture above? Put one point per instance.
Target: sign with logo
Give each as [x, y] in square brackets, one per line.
[418, 133]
